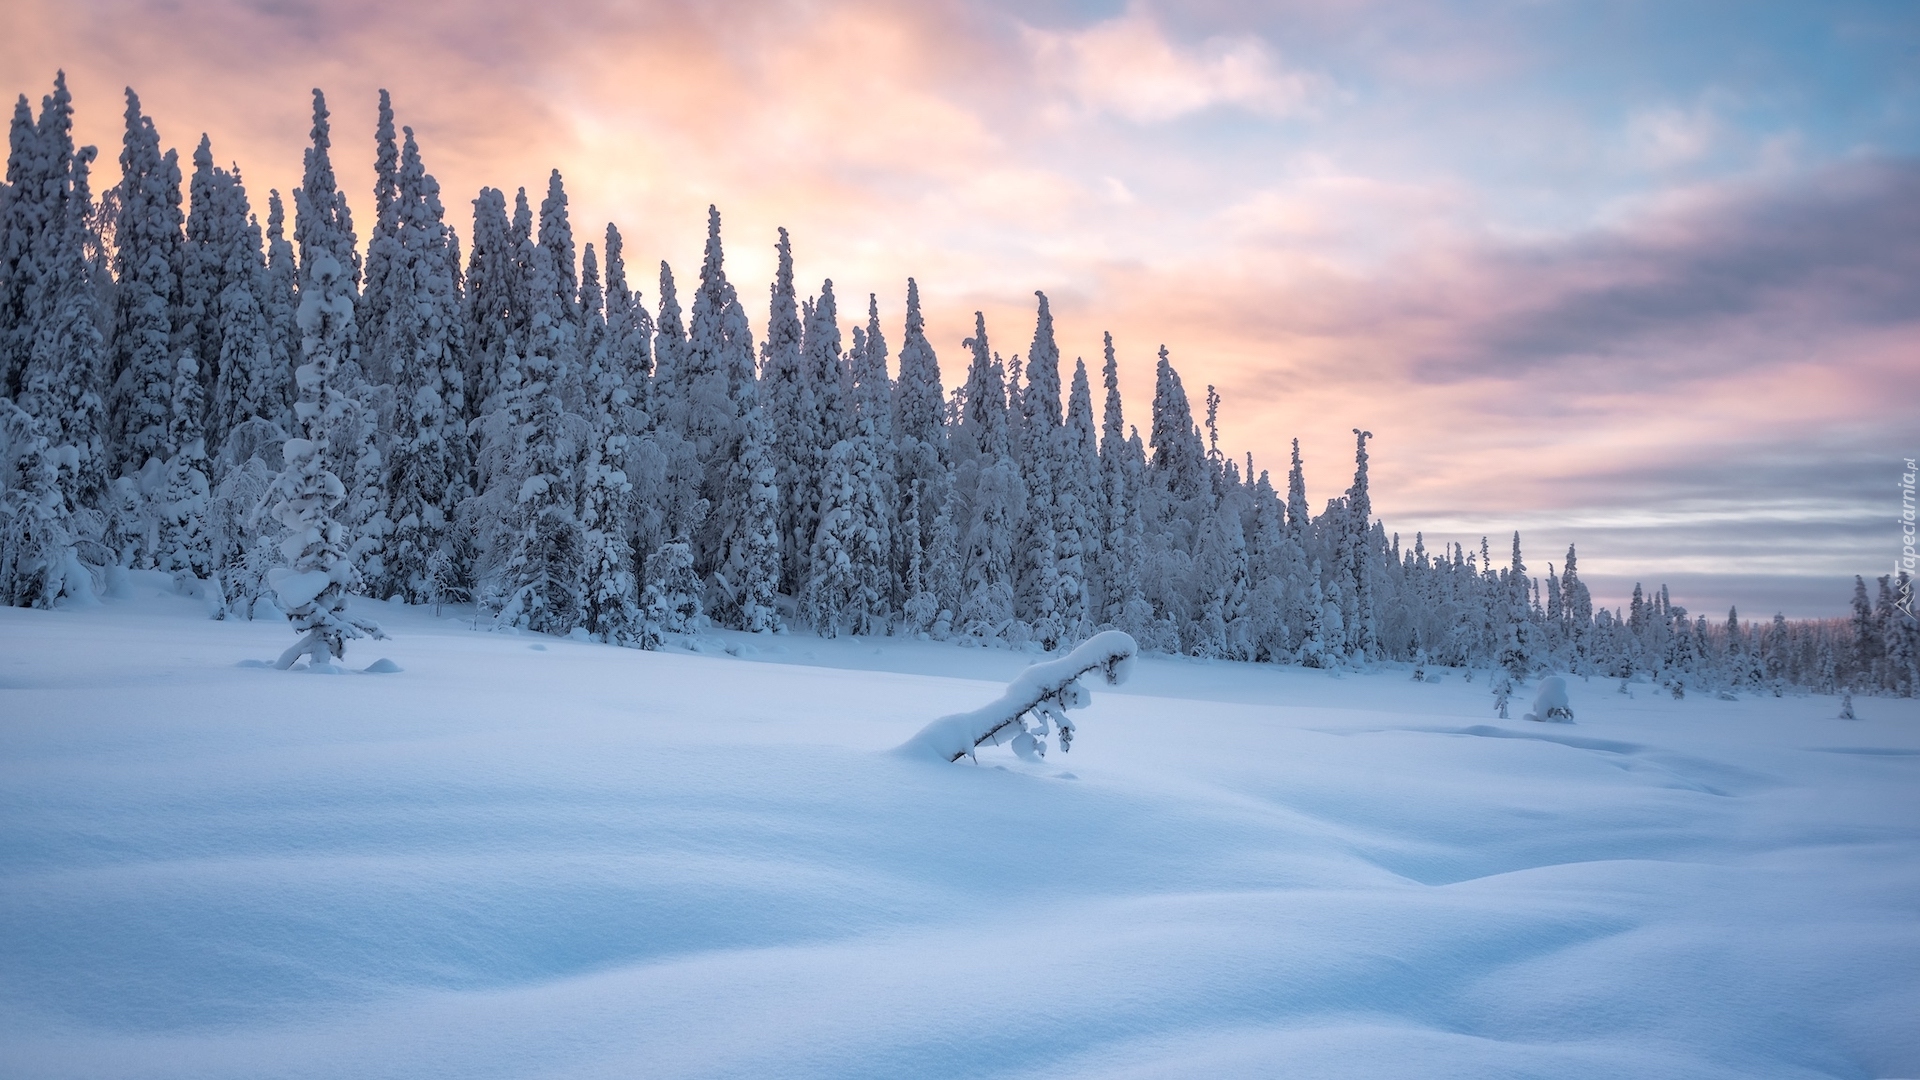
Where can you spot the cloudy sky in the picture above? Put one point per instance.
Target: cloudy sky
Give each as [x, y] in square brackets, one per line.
[1640, 276]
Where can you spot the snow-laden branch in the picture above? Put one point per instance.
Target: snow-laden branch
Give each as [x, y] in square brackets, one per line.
[1046, 691]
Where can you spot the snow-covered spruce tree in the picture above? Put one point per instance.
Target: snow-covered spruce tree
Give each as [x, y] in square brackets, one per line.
[489, 299]
[705, 404]
[1077, 498]
[612, 603]
[540, 582]
[630, 358]
[672, 601]
[1036, 425]
[378, 291]
[989, 497]
[1519, 650]
[64, 347]
[321, 219]
[848, 587]
[313, 587]
[556, 239]
[253, 379]
[1046, 691]
[323, 223]
[922, 474]
[184, 510]
[146, 269]
[280, 302]
[34, 222]
[788, 400]
[1119, 546]
[1177, 500]
[37, 561]
[197, 320]
[829, 419]
[1359, 570]
[418, 344]
[18, 223]
[753, 553]
[677, 509]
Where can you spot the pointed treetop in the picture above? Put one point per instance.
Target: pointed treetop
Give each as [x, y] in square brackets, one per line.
[321, 218]
[1041, 398]
[556, 236]
[386, 160]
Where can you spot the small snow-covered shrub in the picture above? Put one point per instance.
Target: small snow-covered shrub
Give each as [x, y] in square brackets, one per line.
[1045, 691]
[1550, 703]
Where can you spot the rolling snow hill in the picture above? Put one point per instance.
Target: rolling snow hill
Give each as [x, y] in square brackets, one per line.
[533, 857]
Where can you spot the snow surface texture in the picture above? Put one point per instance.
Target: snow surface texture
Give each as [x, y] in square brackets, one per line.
[587, 861]
[1044, 691]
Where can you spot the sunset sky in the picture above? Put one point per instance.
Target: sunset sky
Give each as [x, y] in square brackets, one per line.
[1640, 276]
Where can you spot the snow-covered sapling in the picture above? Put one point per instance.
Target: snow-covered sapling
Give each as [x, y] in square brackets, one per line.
[1846, 705]
[1043, 692]
[1502, 689]
[1550, 703]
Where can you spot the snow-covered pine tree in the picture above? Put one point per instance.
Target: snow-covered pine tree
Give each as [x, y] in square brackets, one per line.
[612, 601]
[849, 585]
[147, 272]
[1179, 458]
[58, 383]
[922, 473]
[1038, 591]
[18, 224]
[828, 420]
[788, 399]
[323, 223]
[1076, 501]
[253, 381]
[736, 455]
[197, 320]
[280, 304]
[489, 299]
[378, 292]
[184, 510]
[752, 568]
[1359, 571]
[630, 348]
[1121, 520]
[671, 604]
[321, 220]
[541, 582]
[36, 528]
[697, 408]
[677, 508]
[989, 498]
[420, 348]
[313, 588]
[1299, 517]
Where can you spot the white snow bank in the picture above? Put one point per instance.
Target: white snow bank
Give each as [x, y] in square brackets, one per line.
[593, 862]
[1046, 690]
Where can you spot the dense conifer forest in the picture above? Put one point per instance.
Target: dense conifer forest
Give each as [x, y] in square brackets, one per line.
[280, 416]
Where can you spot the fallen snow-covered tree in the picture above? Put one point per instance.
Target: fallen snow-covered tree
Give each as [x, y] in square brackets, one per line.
[1044, 691]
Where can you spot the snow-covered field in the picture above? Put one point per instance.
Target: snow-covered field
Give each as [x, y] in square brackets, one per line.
[526, 857]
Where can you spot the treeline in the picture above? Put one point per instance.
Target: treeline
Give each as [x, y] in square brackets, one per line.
[282, 420]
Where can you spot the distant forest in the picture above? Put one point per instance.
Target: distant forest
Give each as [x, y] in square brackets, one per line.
[281, 422]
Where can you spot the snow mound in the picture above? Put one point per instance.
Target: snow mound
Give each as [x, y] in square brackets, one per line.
[1550, 703]
[382, 666]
